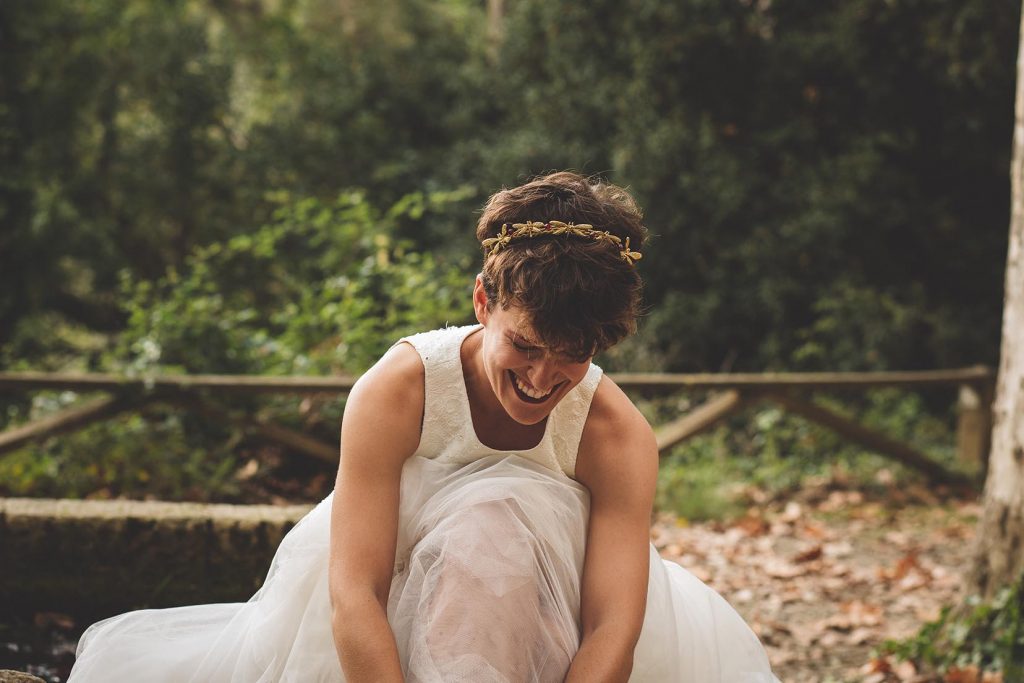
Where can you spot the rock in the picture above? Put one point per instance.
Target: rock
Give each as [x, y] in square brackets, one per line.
[8, 676]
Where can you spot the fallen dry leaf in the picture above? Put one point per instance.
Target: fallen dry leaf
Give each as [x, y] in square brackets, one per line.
[906, 563]
[753, 525]
[860, 635]
[780, 569]
[812, 553]
[967, 674]
[906, 671]
[792, 512]
[876, 665]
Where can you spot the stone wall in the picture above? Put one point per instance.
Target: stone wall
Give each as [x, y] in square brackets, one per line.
[104, 557]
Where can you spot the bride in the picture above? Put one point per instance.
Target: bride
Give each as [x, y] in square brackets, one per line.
[490, 520]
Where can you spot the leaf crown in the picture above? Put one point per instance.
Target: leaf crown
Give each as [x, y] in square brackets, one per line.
[518, 231]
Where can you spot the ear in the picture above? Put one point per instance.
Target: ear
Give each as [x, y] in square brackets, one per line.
[480, 300]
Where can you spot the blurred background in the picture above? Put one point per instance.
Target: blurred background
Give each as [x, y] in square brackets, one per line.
[286, 187]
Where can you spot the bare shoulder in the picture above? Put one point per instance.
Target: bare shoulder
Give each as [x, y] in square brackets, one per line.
[618, 445]
[397, 375]
[385, 406]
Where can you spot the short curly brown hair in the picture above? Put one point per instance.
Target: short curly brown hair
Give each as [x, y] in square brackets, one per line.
[580, 296]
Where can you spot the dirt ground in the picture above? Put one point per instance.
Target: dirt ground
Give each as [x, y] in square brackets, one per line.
[826, 577]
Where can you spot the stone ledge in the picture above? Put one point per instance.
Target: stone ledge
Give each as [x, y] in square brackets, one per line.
[149, 509]
[95, 558]
[9, 676]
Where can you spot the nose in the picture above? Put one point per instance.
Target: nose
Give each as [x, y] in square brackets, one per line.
[543, 373]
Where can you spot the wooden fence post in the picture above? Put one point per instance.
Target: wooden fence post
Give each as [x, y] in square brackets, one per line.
[875, 441]
[699, 419]
[974, 425]
[67, 420]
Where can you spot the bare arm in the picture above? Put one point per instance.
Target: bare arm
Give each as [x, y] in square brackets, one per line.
[380, 430]
[618, 463]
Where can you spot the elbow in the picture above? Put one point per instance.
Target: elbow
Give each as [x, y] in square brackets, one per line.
[346, 606]
[353, 604]
[348, 621]
[341, 616]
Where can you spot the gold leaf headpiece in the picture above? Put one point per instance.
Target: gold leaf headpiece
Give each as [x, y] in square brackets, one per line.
[493, 245]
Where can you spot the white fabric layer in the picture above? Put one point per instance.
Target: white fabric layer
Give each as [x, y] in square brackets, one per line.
[486, 589]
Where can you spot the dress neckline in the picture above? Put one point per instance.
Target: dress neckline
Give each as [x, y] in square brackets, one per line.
[464, 400]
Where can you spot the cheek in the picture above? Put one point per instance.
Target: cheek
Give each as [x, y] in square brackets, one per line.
[504, 359]
[573, 375]
[579, 374]
[578, 371]
[501, 362]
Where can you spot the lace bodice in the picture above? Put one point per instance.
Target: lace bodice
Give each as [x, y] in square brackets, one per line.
[448, 434]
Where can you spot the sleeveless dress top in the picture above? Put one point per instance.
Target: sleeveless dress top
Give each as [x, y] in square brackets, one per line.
[486, 582]
[448, 434]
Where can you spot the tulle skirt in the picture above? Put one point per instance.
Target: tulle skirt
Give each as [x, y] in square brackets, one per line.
[486, 589]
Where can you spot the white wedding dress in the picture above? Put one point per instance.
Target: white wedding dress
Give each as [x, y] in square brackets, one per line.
[486, 581]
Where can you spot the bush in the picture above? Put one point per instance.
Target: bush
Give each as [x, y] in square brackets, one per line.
[986, 635]
[324, 288]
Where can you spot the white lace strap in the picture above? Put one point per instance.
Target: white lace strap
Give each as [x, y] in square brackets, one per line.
[442, 422]
[571, 417]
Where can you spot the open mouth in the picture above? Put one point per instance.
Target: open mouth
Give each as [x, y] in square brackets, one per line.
[527, 393]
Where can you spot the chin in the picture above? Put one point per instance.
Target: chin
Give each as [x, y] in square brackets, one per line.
[531, 418]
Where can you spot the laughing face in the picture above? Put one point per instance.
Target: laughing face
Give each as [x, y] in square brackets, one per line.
[527, 379]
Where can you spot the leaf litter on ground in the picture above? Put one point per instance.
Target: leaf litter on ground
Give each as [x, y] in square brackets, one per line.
[826, 577]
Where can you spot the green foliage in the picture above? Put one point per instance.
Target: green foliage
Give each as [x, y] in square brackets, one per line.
[790, 157]
[163, 455]
[706, 477]
[695, 482]
[132, 132]
[988, 635]
[825, 180]
[324, 287]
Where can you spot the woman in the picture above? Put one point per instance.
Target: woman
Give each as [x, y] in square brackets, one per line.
[491, 516]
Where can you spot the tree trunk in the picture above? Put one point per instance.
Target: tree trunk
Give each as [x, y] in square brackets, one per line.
[999, 557]
[495, 27]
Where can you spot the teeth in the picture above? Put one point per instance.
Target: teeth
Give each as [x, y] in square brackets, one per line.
[529, 391]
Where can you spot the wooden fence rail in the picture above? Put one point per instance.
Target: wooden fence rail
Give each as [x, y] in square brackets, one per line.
[978, 374]
[730, 393]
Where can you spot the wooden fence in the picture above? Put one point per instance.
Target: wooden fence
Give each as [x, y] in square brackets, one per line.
[729, 393]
